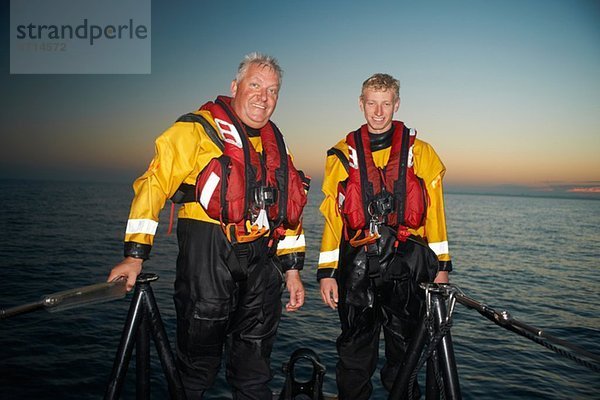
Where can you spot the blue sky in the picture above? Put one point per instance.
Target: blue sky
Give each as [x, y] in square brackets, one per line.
[508, 92]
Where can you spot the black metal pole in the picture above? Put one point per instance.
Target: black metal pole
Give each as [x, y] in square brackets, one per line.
[117, 376]
[165, 353]
[413, 353]
[142, 354]
[446, 351]
[144, 318]
[25, 308]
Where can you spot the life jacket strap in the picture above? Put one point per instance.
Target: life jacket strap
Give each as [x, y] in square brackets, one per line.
[368, 238]
[185, 193]
[400, 186]
[402, 233]
[238, 262]
[372, 251]
[340, 155]
[239, 258]
[236, 235]
[208, 128]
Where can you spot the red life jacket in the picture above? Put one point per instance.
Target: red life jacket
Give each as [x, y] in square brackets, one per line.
[394, 195]
[234, 187]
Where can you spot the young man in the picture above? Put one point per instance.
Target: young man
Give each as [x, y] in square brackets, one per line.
[384, 233]
[238, 231]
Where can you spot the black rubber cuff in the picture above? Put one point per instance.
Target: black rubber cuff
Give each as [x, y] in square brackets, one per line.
[137, 250]
[326, 273]
[445, 266]
[292, 261]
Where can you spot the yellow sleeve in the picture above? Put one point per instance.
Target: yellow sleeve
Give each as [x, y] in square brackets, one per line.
[332, 229]
[293, 242]
[429, 167]
[180, 153]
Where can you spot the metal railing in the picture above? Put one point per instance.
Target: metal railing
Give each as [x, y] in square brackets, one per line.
[143, 321]
[431, 344]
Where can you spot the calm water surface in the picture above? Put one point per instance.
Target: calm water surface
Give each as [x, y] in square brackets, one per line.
[535, 257]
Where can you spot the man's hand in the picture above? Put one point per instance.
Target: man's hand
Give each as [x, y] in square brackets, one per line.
[441, 277]
[130, 268]
[295, 288]
[329, 292]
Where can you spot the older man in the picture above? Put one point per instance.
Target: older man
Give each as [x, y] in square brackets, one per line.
[238, 230]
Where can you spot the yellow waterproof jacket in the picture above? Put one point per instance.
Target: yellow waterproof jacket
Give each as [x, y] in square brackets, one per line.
[181, 152]
[427, 166]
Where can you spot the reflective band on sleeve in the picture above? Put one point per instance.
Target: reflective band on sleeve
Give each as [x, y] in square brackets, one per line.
[208, 189]
[329, 256]
[341, 199]
[146, 226]
[439, 247]
[291, 242]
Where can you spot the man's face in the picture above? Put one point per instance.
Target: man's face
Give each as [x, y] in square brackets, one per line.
[379, 108]
[255, 95]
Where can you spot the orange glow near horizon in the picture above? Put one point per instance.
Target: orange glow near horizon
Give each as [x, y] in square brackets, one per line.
[585, 190]
[496, 104]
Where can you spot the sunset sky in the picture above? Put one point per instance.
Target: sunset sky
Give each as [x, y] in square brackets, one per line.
[507, 92]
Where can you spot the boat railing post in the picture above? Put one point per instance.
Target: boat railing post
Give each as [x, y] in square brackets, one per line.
[411, 359]
[125, 349]
[446, 350]
[144, 318]
[165, 353]
[142, 357]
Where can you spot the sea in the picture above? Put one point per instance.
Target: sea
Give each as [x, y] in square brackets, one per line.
[536, 257]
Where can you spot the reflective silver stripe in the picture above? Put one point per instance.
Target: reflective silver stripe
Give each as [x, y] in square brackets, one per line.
[410, 156]
[413, 132]
[341, 199]
[209, 189]
[352, 157]
[329, 256]
[439, 247]
[230, 134]
[146, 226]
[291, 242]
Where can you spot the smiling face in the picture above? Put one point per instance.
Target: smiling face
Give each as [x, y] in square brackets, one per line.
[254, 95]
[379, 107]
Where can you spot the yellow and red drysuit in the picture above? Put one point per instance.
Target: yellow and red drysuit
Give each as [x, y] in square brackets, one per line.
[427, 165]
[365, 307]
[211, 306]
[181, 152]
